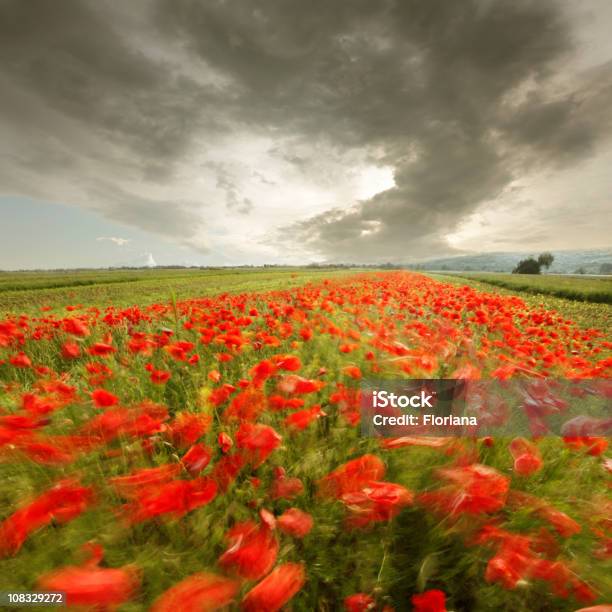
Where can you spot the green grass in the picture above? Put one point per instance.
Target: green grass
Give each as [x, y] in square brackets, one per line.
[589, 289]
[37, 279]
[586, 314]
[27, 292]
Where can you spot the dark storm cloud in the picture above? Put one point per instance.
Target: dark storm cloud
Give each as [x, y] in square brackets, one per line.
[459, 98]
[430, 83]
[81, 100]
[567, 127]
[77, 57]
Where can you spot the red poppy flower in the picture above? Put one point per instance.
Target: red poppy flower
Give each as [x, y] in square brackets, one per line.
[187, 428]
[252, 550]
[176, 498]
[429, 601]
[101, 349]
[294, 384]
[214, 375]
[352, 372]
[21, 360]
[527, 459]
[474, 489]
[290, 363]
[63, 502]
[221, 394]
[159, 377]
[129, 485]
[103, 398]
[262, 371]
[21, 421]
[225, 442]
[227, 469]
[295, 522]
[197, 458]
[278, 402]
[92, 586]
[45, 452]
[179, 350]
[507, 569]
[359, 602]
[274, 591]
[257, 441]
[146, 419]
[201, 592]
[352, 476]
[306, 333]
[71, 350]
[376, 501]
[76, 327]
[593, 446]
[302, 418]
[286, 488]
[246, 406]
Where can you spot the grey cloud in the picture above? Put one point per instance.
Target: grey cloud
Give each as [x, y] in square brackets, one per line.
[242, 205]
[83, 101]
[262, 178]
[234, 200]
[427, 82]
[567, 127]
[433, 88]
[167, 218]
[76, 58]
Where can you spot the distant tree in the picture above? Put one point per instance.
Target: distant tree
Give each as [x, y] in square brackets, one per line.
[580, 270]
[546, 259]
[605, 268]
[527, 266]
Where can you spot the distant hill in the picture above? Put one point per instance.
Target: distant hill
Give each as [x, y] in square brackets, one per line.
[566, 262]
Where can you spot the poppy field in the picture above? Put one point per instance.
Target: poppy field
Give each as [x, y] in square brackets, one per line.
[206, 454]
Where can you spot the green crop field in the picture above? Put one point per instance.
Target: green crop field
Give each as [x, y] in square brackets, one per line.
[587, 289]
[30, 291]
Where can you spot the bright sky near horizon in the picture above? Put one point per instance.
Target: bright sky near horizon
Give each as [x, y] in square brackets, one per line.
[230, 132]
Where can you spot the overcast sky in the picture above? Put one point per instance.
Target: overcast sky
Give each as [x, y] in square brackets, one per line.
[290, 131]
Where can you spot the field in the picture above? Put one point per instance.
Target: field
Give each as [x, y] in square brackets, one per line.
[582, 288]
[584, 313]
[190, 440]
[30, 291]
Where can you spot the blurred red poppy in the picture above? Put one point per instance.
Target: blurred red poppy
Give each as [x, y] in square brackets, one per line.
[295, 522]
[252, 550]
[103, 398]
[274, 591]
[201, 592]
[429, 601]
